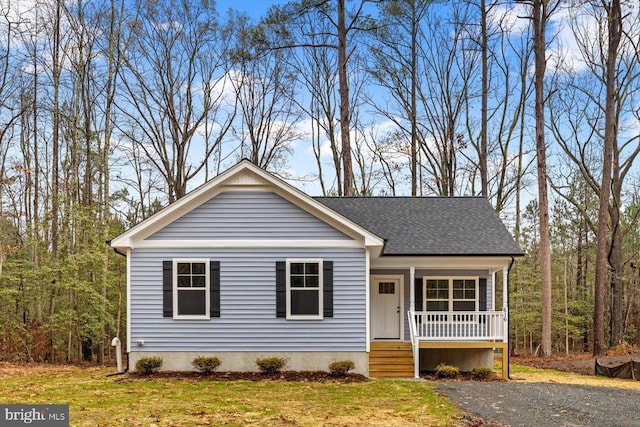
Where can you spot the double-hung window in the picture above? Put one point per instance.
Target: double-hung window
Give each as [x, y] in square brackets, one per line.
[191, 288]
[304, 289]
[464, 296]
[451, 293]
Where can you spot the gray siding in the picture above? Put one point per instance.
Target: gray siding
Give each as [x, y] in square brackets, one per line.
[247, 215]
[422, 273]
[247, 298]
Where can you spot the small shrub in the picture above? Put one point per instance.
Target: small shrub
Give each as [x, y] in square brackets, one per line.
[341, 368]
[271, 365]
[148, 365]
[447, 371]
[481, 373]
[206, 365]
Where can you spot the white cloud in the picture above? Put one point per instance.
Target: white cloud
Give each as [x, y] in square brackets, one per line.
[581, 29]
[510, 19]
[572, 25]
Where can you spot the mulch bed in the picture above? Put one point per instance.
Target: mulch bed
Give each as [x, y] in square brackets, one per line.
[288, 376]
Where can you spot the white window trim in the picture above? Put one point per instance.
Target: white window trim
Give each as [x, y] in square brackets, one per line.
[450, 299]
[320, 314]
[207, 279]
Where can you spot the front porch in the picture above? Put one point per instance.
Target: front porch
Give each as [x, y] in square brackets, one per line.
[458, 330]
[451, 313]
[464, 331]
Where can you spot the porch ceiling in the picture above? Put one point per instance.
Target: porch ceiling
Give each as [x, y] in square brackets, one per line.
[491, 263]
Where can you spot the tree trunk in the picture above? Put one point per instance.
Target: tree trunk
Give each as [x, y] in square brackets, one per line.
[617, 317]
[56, 133]
[614, 24]
[482, 157]
[344, 102]
[414, 78]
[539, 24]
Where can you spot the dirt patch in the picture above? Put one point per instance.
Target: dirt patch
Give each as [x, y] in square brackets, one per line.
[291, 376]
[580, 363]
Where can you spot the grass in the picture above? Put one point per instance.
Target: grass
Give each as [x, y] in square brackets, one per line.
[97, 400]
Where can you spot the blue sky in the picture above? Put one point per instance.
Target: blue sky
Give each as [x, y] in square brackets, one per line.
[253, 8]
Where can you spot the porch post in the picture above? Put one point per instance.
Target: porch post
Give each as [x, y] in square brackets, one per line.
[493, 290]
[412, 288]
[505, 285]
[505, 309]
[416, 359]
[412, 308]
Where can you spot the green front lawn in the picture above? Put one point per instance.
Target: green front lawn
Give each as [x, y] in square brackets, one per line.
[98, 400]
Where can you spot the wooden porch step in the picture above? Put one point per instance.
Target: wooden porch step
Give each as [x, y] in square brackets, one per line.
[376, 360]
[390, 345]
[390, 353]
[391, 359]
[388, 374]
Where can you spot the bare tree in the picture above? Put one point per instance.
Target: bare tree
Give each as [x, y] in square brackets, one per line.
[579, 122]
[448, 64]
[395, 64]
[541, 10]
[173, 77]
[317, 70]
[500, 90]
[265, 87]
[344, 25]
[614, 32]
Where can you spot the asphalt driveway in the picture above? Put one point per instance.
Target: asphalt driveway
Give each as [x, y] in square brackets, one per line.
[543, 404]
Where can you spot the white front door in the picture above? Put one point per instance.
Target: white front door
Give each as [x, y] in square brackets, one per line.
[386, 307]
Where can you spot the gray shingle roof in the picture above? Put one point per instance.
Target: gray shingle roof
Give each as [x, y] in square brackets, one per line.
[429, 225]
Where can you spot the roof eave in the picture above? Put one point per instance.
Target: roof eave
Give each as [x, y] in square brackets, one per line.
[518, 255]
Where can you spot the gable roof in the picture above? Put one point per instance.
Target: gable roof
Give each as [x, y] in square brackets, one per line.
[437, 226]
[244, 175]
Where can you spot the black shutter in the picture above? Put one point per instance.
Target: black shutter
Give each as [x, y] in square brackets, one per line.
[482, 297]
[327, 288]
[418, 294]
[281, 289]
[214, 288]
[167, 288]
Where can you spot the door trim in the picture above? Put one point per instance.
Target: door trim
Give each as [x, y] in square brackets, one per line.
[400, 278]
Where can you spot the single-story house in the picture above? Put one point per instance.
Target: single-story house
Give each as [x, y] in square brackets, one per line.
[247, 266]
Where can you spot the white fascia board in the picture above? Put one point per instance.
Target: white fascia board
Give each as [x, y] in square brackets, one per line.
[232, 178]
[316, 243]
[441, 262]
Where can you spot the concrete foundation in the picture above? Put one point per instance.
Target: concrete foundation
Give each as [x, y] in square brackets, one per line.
[465, 359]
[246, 361]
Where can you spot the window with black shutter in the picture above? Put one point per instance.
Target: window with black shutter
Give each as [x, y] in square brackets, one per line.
[191, 289]
[304, 289]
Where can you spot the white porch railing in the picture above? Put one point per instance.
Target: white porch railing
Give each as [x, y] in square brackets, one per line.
[457, 326]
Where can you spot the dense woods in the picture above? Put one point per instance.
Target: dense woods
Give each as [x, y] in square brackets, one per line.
[111, 109]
